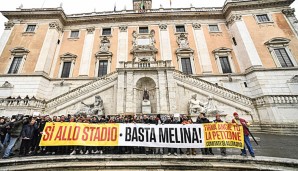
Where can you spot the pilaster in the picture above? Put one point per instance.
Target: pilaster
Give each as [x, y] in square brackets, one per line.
[122, 51]
[202, 49]
[165, 45]
[87, 52]
[48, 49]
[5, 35]
[245, 45]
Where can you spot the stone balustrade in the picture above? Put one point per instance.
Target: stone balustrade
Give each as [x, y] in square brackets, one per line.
[31, 103]
[86, 88]
[144, 65]
[212, 88]
[276, 99]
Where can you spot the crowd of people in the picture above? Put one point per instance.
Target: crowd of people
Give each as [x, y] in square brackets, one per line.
[28, 130]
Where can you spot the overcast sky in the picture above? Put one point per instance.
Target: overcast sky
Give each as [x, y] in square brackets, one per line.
[81, 6]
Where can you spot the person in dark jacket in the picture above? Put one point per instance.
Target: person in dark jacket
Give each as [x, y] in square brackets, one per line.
[200, 120]
[27, 134]
[218, 120]
[2, 132]
[15, 126]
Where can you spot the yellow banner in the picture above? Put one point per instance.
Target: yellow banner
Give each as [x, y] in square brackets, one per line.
[224, 135]
[81, 134]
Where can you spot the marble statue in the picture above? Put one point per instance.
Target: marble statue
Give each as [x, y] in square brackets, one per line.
[95, 108]
[146, 94]
[195, 106]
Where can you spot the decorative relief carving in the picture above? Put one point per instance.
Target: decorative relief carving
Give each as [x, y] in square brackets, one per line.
[55, 25]
[196, 26]
[182, 41]
[163, 27]
[294, 79]
[144, 46]
[123, 28]
[8, 25]
[289, 12]
[105, 44]
[90, 30]
[234, 18]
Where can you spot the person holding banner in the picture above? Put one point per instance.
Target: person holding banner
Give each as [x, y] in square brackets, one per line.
[171, 150]
[245, 125]
[200, 120]
[218, 120]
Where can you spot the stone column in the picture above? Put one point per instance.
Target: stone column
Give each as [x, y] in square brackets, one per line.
[202, 49]
[87, 52]
[165, 45]
[5, 36]
[48, 49]
[245, 50]
[120, 92]
[122, 51]
[163, 92]
[129, 92]
[171, 91]
[290, 15]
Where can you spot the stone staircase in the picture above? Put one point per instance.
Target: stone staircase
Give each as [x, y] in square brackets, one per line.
[214, 89]
[79, 91]
[143, 162]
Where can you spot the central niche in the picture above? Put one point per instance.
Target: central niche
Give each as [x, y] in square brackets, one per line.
[148, 84]
[144, 47]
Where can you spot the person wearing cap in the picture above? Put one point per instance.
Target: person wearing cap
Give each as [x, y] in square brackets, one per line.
[218, 120]
[245, 124]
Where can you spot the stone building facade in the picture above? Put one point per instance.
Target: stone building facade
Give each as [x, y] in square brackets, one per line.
[244, 55]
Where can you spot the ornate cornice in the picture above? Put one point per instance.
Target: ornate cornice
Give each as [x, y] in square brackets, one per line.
[289, 12]
[8, 25]
[234, 18]
[240, 5]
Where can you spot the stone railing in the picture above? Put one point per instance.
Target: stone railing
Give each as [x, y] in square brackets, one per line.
[212, 88]
[143, 65]
[23, 103]
[276, 99]
[86, 88]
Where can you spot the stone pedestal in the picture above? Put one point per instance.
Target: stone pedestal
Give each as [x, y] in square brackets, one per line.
[146, 107]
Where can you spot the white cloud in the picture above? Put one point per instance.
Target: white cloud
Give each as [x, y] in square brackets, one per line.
[79, 6]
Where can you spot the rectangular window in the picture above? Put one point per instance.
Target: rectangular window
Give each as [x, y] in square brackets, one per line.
[283, 57]
[74, 34]
[180, 29]
[186, 66]
[263, 18]
[15, 65]
[30, 28]
[106, 31]
[66, 69]
[103, 68]
[225, 65]
[213, 28]
[143, 30]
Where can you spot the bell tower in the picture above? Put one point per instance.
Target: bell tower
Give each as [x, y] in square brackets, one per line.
[142, 4]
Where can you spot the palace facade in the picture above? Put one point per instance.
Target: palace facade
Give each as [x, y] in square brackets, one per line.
[240, 57]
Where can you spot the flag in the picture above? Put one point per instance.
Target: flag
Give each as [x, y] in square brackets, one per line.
[115, 6]
[142, 6]
[170, 3]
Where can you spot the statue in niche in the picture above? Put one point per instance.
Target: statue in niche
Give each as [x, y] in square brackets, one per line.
[195, 106]
[146, 94]
[95, 108]
[105, 44]
[183, 41]
[152, 39]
